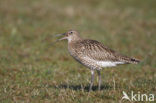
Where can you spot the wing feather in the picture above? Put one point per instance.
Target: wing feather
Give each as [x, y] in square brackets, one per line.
[97, 51]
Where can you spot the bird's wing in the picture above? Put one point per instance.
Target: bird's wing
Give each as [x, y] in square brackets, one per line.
[97, 51]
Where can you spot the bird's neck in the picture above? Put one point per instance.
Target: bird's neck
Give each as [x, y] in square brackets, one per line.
[74, 39]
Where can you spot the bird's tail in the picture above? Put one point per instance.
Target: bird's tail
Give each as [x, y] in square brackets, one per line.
[134, 61]
[129, 60]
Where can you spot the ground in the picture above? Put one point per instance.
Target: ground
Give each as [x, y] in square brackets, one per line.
[35, 70]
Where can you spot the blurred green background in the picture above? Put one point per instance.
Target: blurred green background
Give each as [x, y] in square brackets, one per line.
[34, 71]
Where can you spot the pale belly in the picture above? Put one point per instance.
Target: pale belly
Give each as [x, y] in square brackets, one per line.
[94, 64]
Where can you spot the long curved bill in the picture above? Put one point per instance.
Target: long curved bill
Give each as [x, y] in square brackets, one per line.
[58, 35]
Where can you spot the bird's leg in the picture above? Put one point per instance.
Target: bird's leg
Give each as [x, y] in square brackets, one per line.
[92, 80]
[99, 80]
[114, 83]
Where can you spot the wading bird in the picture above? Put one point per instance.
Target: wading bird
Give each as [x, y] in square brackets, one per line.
[93, 54]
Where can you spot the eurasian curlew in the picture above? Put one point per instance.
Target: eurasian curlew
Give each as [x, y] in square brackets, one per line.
[93, 54]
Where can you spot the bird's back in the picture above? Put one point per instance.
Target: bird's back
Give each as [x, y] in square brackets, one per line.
[92, 50]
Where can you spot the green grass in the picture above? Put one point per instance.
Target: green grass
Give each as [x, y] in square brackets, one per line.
[34, 71]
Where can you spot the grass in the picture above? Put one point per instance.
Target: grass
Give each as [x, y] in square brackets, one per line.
[34, 71]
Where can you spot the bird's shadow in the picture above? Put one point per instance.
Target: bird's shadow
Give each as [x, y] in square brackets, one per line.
[83, 88]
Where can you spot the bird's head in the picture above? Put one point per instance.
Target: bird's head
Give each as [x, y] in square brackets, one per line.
[71, 35]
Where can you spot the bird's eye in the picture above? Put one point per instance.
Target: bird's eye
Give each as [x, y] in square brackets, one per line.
[71, 32]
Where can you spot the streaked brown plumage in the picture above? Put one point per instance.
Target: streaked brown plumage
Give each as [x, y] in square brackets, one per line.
[94, 54]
